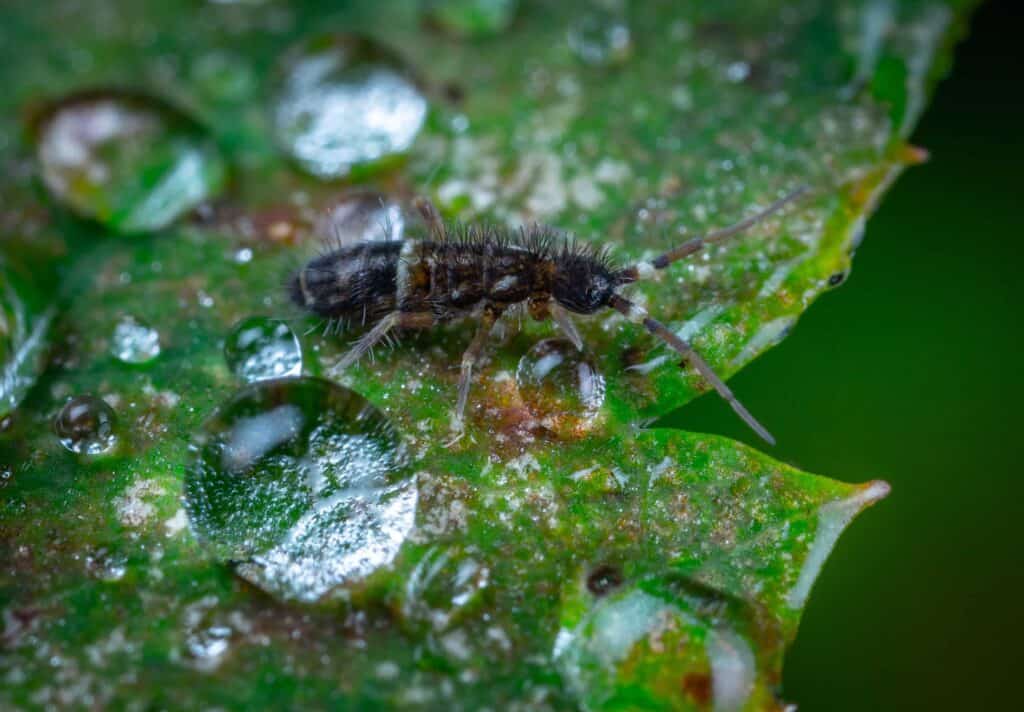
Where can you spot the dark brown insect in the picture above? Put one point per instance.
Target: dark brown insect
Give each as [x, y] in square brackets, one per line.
[463, 271]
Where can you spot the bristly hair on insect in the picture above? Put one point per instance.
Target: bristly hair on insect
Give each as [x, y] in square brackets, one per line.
[478, 271]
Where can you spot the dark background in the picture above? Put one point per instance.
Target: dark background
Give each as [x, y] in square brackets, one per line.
[911, 372]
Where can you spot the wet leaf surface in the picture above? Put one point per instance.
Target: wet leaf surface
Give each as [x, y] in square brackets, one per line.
[558, 555]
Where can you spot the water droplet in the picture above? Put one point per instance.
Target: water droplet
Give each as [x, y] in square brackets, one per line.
[561, 386]
[345, 102]
[473, 18]
[600, 37]
[658, 631]
[85, 425]
[301, 484]
[207, 646]
[127, 160]
[134, 341]
[259, 348]
[106, 566]
[208, 634]
[363, 217]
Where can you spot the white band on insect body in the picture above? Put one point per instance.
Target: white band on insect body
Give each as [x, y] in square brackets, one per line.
[644, 269]
[306, 296]
[636, 314]
[402, 271]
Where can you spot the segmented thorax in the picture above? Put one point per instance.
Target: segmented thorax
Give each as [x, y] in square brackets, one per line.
[451, 279]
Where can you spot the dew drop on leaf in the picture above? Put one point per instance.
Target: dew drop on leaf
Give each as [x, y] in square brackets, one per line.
[345, 102]
[362, 217]
[85, 425]
[259, 348]
[301, 484]
[561, 386]
[134, 341]
[686, 645]
[472, 18]
[600, 38]
[127, 160]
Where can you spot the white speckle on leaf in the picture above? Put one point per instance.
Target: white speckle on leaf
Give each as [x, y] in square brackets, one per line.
[177, 523]
[132, 509]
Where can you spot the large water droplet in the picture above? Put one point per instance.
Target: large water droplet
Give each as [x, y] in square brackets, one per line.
[134, 341]
[85, 425]
[363, 217]
[473, 18]
[301, 484]
[600, 37]
[345, 102]
[126, 160]
[259, 348]
[561, 386]
[682, 644]
[24, 322]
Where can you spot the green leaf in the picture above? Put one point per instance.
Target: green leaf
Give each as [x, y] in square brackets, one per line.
[558, 555]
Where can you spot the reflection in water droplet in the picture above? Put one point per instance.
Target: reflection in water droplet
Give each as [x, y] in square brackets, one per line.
[363, 217]
[301, 483]
[129, 161]
[85, 425]
[600, 37]
[259, 348]
[561, 386]
[345, 102]
[662, 630]
[134, 341]
[473, 18]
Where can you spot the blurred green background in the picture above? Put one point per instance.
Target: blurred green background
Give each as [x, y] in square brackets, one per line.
[911, 372]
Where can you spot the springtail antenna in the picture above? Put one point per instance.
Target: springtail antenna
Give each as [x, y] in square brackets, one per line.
[643, 269]
[636, 313]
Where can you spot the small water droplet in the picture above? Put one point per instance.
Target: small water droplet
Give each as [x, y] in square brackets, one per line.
[600, 37]
[301, 483]
[365, 216]
[473, 18]
[85, 425]
[127, 160]
[207, 646]
[134, 341]
[736, 72]
[561, 386]
[106, 566]
[259, 348]
[345, 102]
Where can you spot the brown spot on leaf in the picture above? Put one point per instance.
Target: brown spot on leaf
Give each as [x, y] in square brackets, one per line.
[697, 687]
